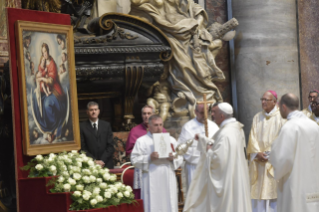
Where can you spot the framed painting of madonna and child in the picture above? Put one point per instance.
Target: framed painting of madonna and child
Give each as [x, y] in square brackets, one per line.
[47, 87]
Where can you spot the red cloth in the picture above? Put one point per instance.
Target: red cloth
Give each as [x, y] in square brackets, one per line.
[38, 198]
[135, 133]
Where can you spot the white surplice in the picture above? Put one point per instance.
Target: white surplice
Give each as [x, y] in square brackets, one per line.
[295, 158]
[158, 186]
[221, 182]
[189, 130]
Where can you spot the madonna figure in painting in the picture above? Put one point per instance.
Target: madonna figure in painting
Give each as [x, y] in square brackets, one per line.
[49, 109]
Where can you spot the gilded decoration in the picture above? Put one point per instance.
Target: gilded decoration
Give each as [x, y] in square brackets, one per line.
[192, 71]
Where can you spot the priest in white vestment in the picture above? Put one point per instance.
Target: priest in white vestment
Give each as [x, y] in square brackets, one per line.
[221, 182]
[159, 188]
[295, 158]
[264, 130]
[189, 130]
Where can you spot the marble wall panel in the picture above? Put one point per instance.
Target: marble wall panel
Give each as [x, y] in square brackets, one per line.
[308, 11]
[266, 53]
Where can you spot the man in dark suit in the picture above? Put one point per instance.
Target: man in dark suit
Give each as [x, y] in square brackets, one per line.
[97, 137]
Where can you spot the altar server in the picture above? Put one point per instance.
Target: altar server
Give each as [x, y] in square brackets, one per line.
[135, 133]
[264, 130]
[221, 182]
[295, 158]
[189, 130]
[159, 189]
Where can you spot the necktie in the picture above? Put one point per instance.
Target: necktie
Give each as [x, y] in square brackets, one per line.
[95, 129]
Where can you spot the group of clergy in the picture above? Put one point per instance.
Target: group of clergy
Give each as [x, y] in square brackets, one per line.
[278, 172]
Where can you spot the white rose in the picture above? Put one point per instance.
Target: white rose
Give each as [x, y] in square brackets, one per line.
[61, 179]
[119, 195]
[52, 155]
[85, 159]
[65, 174]
[106, 170]
[71, 181]
[107, 195]
[79, 187]
[127, 193]
[74, 151]
[98, 167]
[93, 202]
[50, 160]
[91, 163]
[52, 168]
[39, 167]
[102, 171]
[67, 187]
[92, 178]
[99, 180]
[95, 172]
[106, 176]
[99, 198]
[70, 154]
[86, 196]
[118, 185]
[64, 168]
[113, 177]
[39, 158]
[103, 185]
[77, 176]
[96, 191]
[129, 188]
[86, 179]
[79, 164]
[77, 193]
[79, 160]
[114, 189]
[87, 192]
[68, 161]
[86, 171]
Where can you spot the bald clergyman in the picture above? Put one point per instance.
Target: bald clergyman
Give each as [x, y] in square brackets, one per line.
[189, 130]
[221, 182]
[295, 158]
[264, 130]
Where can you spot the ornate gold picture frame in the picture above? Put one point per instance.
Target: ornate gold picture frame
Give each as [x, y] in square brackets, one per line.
[47, 87]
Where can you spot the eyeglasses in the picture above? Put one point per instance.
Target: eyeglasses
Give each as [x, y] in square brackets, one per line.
[312, 97]
[267, 100]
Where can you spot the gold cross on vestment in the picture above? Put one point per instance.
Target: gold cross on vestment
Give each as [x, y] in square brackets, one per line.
[205, 102]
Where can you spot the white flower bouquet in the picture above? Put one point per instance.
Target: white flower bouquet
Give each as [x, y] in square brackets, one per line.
[91, 186]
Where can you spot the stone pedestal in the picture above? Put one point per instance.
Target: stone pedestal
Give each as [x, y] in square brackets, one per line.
[266, 53]
[308, 44]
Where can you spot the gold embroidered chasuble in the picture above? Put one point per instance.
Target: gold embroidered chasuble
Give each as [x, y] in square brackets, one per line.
[264, 130]
[307, 112]
[310, 115]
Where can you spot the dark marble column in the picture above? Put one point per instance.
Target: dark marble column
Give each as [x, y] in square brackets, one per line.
[266, 53]
[309, 46]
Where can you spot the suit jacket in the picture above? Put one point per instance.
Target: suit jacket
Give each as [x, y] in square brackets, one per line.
[98, 146]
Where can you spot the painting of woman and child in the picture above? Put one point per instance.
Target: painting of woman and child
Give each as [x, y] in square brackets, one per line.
[50, 88]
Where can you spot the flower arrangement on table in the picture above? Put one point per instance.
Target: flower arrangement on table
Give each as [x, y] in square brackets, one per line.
[91, 185]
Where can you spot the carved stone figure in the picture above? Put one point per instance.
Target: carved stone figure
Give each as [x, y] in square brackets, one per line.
[193, 70]
[160, 99]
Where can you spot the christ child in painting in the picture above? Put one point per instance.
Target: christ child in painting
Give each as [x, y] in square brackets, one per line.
[44, 73]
